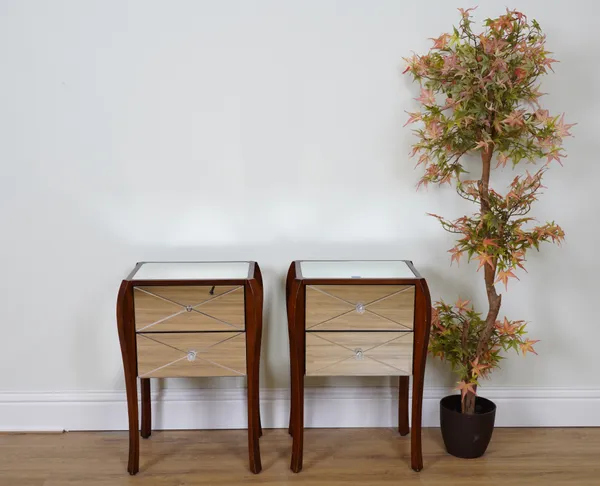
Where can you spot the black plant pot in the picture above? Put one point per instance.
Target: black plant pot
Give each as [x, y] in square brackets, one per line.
[467, 436]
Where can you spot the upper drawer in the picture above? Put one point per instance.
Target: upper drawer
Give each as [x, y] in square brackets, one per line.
[188, 308]
[360, 307]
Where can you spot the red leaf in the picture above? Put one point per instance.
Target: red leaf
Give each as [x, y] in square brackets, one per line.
[528, 346]
[503, 277]
[483, 259]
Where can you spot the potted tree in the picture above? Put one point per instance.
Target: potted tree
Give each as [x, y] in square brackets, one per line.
[479, 96]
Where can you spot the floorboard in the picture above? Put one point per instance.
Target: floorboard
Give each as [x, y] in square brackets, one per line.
[333, 457]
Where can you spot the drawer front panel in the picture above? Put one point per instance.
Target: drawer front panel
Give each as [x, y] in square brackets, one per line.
[359, 353]
[188, 308]
[360, 307]
[191, 354]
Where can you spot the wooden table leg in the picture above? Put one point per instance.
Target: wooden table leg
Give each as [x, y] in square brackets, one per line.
[421, 337]
[128, 351]
[298, 416]
[253, 334]
[292, 388]
[259, 320]
[416, 452]
[403, 427]
[253, 422]
[290, 292]
[146, 408]
[298, 380]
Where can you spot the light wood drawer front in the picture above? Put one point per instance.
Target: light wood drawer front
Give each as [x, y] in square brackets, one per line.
[188, 308]
[359, 353]
[191, 354]
[360, 307]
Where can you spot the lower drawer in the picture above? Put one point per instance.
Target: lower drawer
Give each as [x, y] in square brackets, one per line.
[359, 353]
[191, 354]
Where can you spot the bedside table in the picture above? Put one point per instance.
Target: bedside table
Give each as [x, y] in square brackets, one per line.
[358, 318]
[188, 319]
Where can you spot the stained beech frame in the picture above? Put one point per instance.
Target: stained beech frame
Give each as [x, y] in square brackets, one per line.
[253, 298]
[296, 311]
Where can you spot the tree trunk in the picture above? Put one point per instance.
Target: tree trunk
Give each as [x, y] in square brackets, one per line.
[468, 404]
[494, 300]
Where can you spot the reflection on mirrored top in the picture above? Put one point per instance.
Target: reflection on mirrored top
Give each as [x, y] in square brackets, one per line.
[192, 271]
[356, 269]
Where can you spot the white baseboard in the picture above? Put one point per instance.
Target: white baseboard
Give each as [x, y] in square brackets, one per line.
[324, 407]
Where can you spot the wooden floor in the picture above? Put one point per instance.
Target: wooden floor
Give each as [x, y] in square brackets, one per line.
[368, 457]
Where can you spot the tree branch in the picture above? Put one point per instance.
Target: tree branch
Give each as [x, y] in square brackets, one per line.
[494, 300]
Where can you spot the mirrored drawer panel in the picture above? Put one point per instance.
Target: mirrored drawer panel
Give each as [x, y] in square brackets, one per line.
[359, 353]
[191, 354]
[360, 307]
[188, 308]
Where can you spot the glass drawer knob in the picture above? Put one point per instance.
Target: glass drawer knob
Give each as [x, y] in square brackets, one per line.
[360, 308]
[191, 356]
[358, 354]
[188, 308]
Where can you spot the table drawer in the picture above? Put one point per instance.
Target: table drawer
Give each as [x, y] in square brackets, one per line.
[191, 354]
[360, 307]
[188, 308]
[359, 353]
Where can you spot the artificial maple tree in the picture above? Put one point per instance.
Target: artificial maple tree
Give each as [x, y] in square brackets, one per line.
[480, 96]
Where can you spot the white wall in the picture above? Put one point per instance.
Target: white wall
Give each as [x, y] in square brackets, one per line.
[265, 130]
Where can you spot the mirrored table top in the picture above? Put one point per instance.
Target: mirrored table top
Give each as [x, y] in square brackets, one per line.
[192, 271]
[356, 269]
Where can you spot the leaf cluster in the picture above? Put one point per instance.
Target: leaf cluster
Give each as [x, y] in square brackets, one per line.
[481, 92]
[455, 334]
